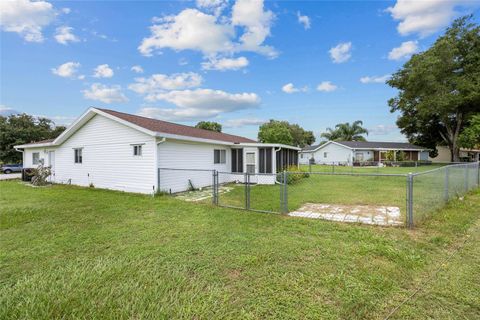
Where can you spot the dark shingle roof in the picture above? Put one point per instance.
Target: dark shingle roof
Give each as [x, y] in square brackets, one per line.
[42, 141]
[380, 145]
[177, 129]
[371, 145]
[310, 148]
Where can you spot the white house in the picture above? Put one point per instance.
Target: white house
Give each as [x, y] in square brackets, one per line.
[119, 151]
[349, 152]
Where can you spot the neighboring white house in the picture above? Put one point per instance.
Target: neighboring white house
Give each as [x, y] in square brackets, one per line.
[348, 152]
[119, 151]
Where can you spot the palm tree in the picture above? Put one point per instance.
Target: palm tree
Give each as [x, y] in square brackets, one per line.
[346, 132]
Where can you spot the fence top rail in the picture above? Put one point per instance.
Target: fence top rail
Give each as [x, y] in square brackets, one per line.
[183, 169]
[244, 173]
[373, 174]
[456, 165]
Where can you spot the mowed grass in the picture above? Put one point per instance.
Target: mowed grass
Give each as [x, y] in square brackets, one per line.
[70, 252]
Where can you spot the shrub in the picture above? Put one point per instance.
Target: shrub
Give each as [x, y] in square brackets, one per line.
[294, 175]
[40, 175]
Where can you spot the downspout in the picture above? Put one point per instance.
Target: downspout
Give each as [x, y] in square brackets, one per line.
[276, 171]
[157, 173]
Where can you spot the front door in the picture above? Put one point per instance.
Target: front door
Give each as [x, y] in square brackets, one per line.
[51, 164]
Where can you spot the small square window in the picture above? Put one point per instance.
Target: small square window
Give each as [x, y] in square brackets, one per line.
[78, 155]
[35, 158]
[137, 150]
[219, 156]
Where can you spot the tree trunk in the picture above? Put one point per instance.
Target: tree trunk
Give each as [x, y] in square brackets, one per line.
[451, 138]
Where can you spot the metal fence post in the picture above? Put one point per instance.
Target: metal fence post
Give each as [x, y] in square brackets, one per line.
[248, 193]
[466, 177]
[214, 187]
[478, 174]
[446, 194]
[410, 201]
[158, 180]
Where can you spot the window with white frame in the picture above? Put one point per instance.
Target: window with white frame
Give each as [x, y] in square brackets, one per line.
[358, 156]
[137, 150]
[35, 158]
[77, 154]
[219, 156]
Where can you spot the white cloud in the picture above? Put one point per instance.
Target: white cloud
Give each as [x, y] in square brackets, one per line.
[341, 52]
[242, 122]
[326, 86]
[212, 35]
[66, 70]
[103, 71]
[200, 104]
[137, 69]
[6, 111]
[159, 83]
[225, 64]
[64, 35]
[105, 93]
[290, 88]
[27, 18]
[425, 17]
[257, 22]
[304, 20]
[405, 50]
[375, 79]
[190, 29]
[214, 6]
[66, 10]
[383, 129]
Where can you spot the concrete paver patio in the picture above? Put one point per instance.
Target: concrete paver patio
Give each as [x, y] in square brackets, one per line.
[367, 214]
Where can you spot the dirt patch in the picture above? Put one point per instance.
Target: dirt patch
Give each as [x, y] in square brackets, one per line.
[201, 194]
[367, 214]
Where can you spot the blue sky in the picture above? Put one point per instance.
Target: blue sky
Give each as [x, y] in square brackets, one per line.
[315, 63]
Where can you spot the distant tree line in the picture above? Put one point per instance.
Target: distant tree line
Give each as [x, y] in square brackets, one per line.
[23, 128]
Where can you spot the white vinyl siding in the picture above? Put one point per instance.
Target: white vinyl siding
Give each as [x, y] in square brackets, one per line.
[333, 153]
[176, 154]
[107, 157]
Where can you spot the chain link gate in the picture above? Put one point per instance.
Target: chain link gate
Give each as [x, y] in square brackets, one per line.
[250, 191]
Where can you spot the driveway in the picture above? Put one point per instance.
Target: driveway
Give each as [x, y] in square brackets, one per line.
[10, 176]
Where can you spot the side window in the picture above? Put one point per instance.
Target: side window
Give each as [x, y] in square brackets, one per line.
[35, 158]
[325, 154]
[219, 156]
[137, 150]
[78, 157]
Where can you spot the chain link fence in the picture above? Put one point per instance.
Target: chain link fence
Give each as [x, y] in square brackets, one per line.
[393, 198]
[430, 190]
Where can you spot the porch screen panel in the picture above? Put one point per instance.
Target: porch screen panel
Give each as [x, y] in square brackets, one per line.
[265, 160]
[268, 155]
[261, 160]
[237, 160]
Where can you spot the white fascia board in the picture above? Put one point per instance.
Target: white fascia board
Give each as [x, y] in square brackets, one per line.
[34, 145]
[275, 145]
[324, 145]
[124, 122]
[192, 139]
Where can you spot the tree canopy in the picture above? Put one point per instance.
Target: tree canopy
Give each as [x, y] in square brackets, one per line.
[284, 132]
[439, 89]
[209, 125]
[470, 137]
[346, 132]
[21, 129]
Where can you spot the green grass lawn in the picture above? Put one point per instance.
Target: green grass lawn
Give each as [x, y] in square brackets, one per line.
[71, 252]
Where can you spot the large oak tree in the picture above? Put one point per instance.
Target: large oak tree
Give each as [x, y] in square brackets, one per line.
[439, 89]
